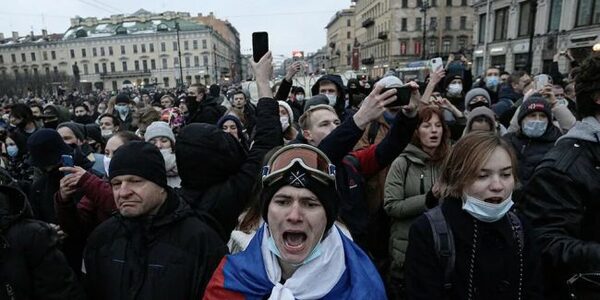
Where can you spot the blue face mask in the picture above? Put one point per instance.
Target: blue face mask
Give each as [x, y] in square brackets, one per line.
[12, 151]
[492, 82]
[534, 128]
[316, 251]
[484, 211]
[122, 109]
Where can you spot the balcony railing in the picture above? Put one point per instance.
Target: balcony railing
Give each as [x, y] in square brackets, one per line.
[368, 22]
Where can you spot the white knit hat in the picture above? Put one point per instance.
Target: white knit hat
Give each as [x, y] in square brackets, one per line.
[157, 129]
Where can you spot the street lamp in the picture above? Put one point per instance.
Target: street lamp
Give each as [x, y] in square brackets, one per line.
[424, 7]
[179, 54]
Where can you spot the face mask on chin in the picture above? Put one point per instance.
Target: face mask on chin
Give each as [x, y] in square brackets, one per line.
[484, 211]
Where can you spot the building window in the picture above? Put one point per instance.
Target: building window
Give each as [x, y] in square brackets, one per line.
[196, 61]
[205, 60]
[417, 48]
[348, 23]
[45, 55]
[433, 3]
[204, 44]
[23, 57]
[195, 44]
[163, 46]
[166, 81]
[446, 44]
[482, 22]
[348, 47]
[110, 50]
[186, 45]
[136, 65]
[83, 54]
[432, 46]
[145, 65]
[463, 23]
[153, 64]
[588, 12]
[432, 24]
[448, 2]
[418, 24]
[104, 70]
[55, 69]
[555, 12]
[96, 68]
[143, 48]
[32, 56]
[174, 46]
[72, 51]
[102, 53]
[85, 69]
[419, 3]
[114, 85]
[135, 49]
[525, 19]
[462, 43]
[53, 55]
[187, 61]
[448, 23]
[124, 66]
[463, 3]
[404, 3]
[403, 22]
[164, 63]
[175, 61]
[94, 52]
[501, 24]
[1, 59]
[402, 48]
[112, 67]
[122, 50]
[13, 58]
[151, 46]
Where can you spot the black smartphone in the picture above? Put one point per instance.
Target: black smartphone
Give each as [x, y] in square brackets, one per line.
[67, 161]
[260, 45]
[402, 96]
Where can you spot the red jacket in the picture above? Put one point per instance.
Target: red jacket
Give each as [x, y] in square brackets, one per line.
[96, 205]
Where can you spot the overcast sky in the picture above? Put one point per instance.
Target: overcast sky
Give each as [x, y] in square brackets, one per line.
[292, 25]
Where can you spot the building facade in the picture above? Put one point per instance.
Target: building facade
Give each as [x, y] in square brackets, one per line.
[503, 29]
[340, 38]
[140, 49]
[390, 33]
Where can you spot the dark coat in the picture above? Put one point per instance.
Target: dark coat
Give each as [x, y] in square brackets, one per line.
[530, 151]
[227, 185]
[562, 202]
[208, 111]
[30, 262]
[170, 256]
[496, 271]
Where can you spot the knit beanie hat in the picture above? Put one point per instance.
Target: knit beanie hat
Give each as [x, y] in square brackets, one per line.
[288, 108]
[141, 159]
[78, 129]
[122, 98]
[46, 147]
[535, 103]
[315, 100]
[474, 93]
[158, 129]
[479, 112]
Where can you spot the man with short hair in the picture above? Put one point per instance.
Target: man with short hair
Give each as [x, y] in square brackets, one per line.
[561, 199]
[243, 109]
[155, 247]
[491, 82]
[203, 108]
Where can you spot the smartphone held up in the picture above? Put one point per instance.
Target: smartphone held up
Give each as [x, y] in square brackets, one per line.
[260, 45]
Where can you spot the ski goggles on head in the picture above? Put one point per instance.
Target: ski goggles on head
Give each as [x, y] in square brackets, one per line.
[309, 158]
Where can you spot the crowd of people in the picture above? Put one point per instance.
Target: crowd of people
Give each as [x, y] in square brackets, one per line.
[478, 188]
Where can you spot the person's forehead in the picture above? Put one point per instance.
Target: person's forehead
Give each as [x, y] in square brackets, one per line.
[288, 191]
[129, 177]
[323, 114]
[493, 71]
[478, 98]
[106, 120]
[327, 86]
[229, 123]
[65, 131]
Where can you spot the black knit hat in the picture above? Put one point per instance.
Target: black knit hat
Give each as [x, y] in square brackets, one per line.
[535, 103]
[46, 147]
[122, 98]
[77, 129]
[141, 159]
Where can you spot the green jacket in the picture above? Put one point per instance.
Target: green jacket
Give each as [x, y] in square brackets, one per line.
[410, 177]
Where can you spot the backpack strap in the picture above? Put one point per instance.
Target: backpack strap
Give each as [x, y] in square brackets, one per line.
[443, 241]
[373, 129]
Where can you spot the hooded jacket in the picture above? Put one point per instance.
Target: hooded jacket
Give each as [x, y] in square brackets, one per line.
[208, 111]
[337, 80]
[562, 202]
[168, 256]
[217, 176]
[30, 262]
[410, 177]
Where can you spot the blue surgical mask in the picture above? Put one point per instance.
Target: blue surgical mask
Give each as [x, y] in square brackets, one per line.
[534, 128]
[122, 109]
[332, 99]
[484, 211]
[492, 82]
[12, 150]
[316, 251]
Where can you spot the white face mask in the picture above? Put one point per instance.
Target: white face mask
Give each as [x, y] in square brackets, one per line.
[484, 211]
[455, 89]
[285, 123]
[332, 99]
[169, 157]
[106, 162]
[300, 98]
[106, 133]
[534, 128]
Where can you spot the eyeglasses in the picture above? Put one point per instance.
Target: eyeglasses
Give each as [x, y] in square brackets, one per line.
[311, 159]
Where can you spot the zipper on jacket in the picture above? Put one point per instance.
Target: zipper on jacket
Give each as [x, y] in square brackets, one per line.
[422, 184]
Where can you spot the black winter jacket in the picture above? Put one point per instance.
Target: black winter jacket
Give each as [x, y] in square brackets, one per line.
[226, 200]
[169, 256]
[31, 266]
[208, 111]
[496, 267]
[530, 151]
[563, 203]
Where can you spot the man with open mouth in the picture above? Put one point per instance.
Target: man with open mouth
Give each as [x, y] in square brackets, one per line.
[298, 253]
